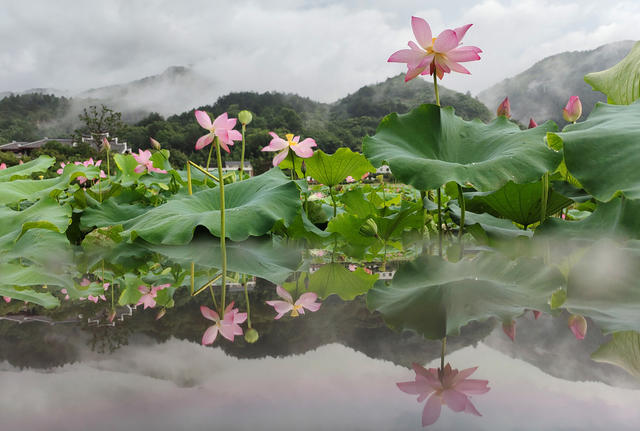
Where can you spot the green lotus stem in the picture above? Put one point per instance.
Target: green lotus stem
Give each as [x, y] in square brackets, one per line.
[435, 88]
[442, 352]
[333, 201]
[462, 210]
[244, 127]
[223, 248]
[209, 161]
[189, 180]
[439, 222]
[544, 197]
[192, 278]
[213, 296]
[423, 195]
[201, 169]
[246, 298]
[293, 163]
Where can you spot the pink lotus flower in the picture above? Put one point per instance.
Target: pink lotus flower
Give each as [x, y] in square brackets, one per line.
[578, 326]
[450, 387]
[302, 149]
[504, 108]
[6, 299]
[352, 267]
[229, 326]
[62, 165]
[3, 166]
[144, 162]
[149, 294]
[437, 55]
[532, 123]
[222, 127]
[573, 110]
[306, 300]
[509, 328]
[95, 299]
[350, 179]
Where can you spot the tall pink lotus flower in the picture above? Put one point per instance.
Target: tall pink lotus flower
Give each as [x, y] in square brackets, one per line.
[144, 162]
[222, 127]
[302, 149]
[3, 166]
[448, 386]
[573, 110]
[307, 300]
[229, 326]
[149, 295]
[578, 325]
[532, 123]
[504, 109]
[439, 55]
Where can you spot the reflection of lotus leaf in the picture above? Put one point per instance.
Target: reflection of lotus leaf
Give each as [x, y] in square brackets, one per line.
[623, 350]
[431, 146]
[436, 298]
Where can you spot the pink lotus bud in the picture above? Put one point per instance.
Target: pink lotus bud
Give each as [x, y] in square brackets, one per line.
[532, 123]
[112, 315]
[573, 110]
[105, 144]
[504, 108]
[3, 166]
[155, 144]
[509, 328]
[578, 326]
[536, 314]
[6, 299]
[161, 314]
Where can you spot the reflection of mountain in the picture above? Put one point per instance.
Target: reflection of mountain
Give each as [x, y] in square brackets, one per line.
[548, 344]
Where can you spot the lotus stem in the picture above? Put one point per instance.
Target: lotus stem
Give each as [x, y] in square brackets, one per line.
[544, 197]
[439, 222]
[246, 298]
[201, 169]
[209, 161]
[423, 195]
[333, 201]
[435, 88]
[223, 248]
[244, 127]
[189, 179]
[443, 351]
[293, 164]
[108, 166]
[462, 210]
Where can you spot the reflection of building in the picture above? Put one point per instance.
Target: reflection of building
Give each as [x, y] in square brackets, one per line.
[25, 148]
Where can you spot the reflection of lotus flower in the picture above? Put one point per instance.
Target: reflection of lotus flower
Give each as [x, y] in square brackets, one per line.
[306, 300]
[302, 149]
[532, 123]
[504, 109]
[437, 55]
[149, 293]
[6, 299]
[229, 326]
[450, 387]
[578, 326]
[144, 162]
[509, 328]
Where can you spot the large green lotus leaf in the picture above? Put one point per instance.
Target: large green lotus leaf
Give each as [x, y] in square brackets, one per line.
[41, 246]
[436, 298]
[431, 146]
[44, 214]
[623, 351]
[492, 227]
[126, 164]
[12, 274]
[349, 227]
[110, 213]
[521, 203]
[335, 279]
[616, 218]
[602, 152]
[603, 285]
[41, 164]
[252, 208]
[44, 299]
[333, 169]
[621, 83]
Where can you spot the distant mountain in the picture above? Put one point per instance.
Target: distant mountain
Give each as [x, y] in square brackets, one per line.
[544, 89]
[51, 91]
[175, 90]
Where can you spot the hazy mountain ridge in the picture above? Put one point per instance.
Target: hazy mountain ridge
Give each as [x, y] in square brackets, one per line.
[544, 89]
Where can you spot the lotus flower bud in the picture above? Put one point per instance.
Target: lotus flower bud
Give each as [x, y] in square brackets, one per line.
[509, 328]
[578, 326]
[504, 108]
[532, 123]
[112, 315]
[536, 314]
[245, 117]
[161, 314]
[251, 336]
[105, 144]
[573, 110]
[155, 144]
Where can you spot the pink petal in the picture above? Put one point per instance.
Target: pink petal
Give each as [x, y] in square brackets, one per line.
[412, 73]
[421, 31]
[234, 135]
[456, 67]
[281, 307]
[210, 335]
[239, 318]
[221, 121]
[406, 56]
[280, 156]
[473, 387]
[470, 408]
[302, 151]
[208, 313]
[284, 294]
[225, 142]
[203, 141]
[456, 401]
[144, 289]
[308, 301]
[536, 314]
[276, 144]
[155, 289]
[227, 331]
[431, 411]
[464, 53]
[204, 120]
[139, 169]
[461, 31]
[462, 375]
[446, 41]
[578, 326]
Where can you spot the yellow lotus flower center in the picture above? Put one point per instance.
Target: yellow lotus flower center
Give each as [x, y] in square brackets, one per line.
[296, 308]
[290, 140]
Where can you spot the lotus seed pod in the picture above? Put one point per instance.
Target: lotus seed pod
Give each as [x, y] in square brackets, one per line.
[251, 336]
[245, 117]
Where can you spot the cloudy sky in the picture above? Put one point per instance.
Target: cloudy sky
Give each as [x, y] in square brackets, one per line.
[323, 49]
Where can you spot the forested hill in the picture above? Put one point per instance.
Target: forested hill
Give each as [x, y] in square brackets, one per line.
[343, 123]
